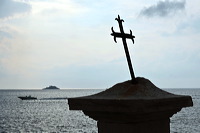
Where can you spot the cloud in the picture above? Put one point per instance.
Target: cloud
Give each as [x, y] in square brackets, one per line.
[4, 34]
[52, 8]
[163, 8]
[9, 8]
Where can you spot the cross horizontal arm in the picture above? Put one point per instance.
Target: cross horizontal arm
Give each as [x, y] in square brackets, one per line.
[119, 35]
[122, 35]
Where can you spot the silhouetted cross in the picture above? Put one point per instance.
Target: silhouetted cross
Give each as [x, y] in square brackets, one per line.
[124, 36]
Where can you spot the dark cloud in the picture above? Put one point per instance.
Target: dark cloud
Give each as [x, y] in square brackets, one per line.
[10, 8]
[163, 8]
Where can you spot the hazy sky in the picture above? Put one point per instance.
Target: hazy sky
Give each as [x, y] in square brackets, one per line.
[67, 43]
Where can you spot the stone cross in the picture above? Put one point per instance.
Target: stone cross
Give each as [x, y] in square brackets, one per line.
[124, 36]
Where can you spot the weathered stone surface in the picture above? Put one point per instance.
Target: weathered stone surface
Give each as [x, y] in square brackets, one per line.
[134, 106]
[127, 97]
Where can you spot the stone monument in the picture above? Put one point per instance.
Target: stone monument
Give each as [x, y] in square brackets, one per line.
[133, 106]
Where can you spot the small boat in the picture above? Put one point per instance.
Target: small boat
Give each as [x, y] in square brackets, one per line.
[28, 98]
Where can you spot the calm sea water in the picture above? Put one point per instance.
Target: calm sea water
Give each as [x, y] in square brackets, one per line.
[52, 114]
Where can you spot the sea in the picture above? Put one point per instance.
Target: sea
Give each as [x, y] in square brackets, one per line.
[50, 113]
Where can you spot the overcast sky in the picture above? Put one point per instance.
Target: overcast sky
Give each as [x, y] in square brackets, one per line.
[67, 43]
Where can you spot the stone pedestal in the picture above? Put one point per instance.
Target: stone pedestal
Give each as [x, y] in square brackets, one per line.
[161, 126]
[131, 108]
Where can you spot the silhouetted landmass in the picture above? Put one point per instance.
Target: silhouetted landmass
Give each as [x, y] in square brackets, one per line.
[51, 88]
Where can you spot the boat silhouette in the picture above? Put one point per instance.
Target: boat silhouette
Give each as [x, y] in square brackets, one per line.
[27, 98]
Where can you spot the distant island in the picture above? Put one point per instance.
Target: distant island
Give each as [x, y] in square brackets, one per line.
[51, 88]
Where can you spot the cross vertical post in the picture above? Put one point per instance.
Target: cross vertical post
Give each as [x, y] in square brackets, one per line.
[125, 36]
